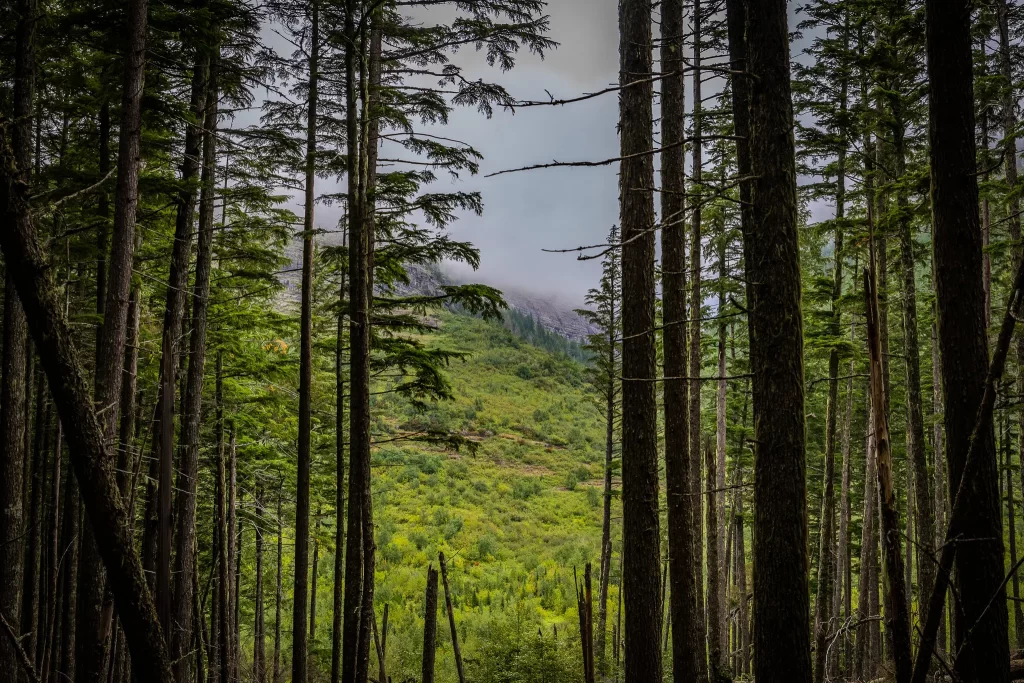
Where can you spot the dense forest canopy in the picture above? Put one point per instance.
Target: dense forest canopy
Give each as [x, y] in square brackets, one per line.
[253, 430]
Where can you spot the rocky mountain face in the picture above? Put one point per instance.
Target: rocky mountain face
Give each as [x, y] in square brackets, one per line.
[558, 318]
[547, 310]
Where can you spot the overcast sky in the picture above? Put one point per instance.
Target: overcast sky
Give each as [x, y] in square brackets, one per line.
[526, 213]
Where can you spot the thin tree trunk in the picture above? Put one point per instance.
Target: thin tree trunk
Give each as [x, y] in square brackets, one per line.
[683, 593]
[695, 358]
[451, 618]
[939, 459]
[1018, 614]
[279, 596]
[898, 609]
[299, 603]
[716, 658]
[609, 452]
[188, 474]
[313, 581]
[824, 613]
[720, 453]
[843, 593]
[234, 539]
[372, 41]
[259, 663]
[30, 606]
[338, 589]
[223, 525]
[430, 627]
[359, 349]
[960, 300]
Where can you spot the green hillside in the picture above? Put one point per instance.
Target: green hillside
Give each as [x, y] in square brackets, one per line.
[515, 510]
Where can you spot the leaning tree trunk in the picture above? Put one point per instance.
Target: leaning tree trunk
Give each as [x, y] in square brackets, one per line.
[641, 534]
[771, 253]
[962, 340]
[92, 460]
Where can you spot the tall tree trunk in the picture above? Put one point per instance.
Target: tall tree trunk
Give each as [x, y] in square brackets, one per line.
[776, 353]
[356, 581]
[338, 590]
[234, 551]
[430, 626]
[695, 357]
[736, 23]
[259, 663]
[372, 40]
[188, 474]
[897, 607]
[843, 593]
[918, 459]
[299, 604]
[641, 534]
[716, 658]
[312, 580]
[12, 395]
[68, 563]
[720, 453]
[612, 384]
[224, 630]
[824, 614]
[962, 336]
[679, 502]
[1018, 614]
[939, 459]
[960, 299]
[279, 596]
[92, 460]
[204, 109]
[30, 607]
[110, 354]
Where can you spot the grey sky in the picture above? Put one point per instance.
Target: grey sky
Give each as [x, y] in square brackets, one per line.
[546, 209]
[526, 213]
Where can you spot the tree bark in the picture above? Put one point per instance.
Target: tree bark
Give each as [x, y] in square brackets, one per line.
[451, 619]
[717, 665]
[641, 535]
[338, 589]
[12, 395]
[259, 663]
[962, 339]
[695, 357]
[430, 627]
[776, 354]
[279, 596]
[897, 607]
[92, 460]
[678, 474]
[188, 474]
[824, 615]
[722, 566]
[299, 603]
